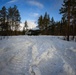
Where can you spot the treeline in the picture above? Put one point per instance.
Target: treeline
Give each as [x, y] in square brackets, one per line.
[67, 25]
[49, 26]
[9, 21]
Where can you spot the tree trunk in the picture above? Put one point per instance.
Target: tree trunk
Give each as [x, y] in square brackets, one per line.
[68, 20]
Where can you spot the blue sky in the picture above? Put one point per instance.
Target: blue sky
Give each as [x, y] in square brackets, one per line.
[30, 10]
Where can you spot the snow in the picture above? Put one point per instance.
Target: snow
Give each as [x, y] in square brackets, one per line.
[37, 55]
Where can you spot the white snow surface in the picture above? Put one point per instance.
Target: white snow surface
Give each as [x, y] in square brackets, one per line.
[37, 55]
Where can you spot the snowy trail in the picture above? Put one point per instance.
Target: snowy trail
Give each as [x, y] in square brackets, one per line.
[37, 55]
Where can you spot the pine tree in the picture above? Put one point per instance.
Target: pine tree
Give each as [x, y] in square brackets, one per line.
[63, 26]
[73, 13]
[65, 10]
[40, 23]
[25, 28]
[46, 20]
[14, 18]
[44, 23]
[52, 26]
[3, 20]
[17, 17]
[10, 18]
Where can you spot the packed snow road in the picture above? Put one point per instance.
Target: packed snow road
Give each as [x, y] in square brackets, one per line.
[37, 55]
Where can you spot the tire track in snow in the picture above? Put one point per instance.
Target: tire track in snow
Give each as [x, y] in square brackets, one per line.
[21, 58]
[67, 67]
[18, 58]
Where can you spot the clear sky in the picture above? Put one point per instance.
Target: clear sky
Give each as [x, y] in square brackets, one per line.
[30, 10]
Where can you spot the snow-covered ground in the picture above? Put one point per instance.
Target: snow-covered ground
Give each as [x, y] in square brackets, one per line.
[37, 55]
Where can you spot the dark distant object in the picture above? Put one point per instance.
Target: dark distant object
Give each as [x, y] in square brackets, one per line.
[33, 32]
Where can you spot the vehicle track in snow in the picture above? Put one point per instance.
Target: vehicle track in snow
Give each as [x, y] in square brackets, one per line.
[34, 55]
